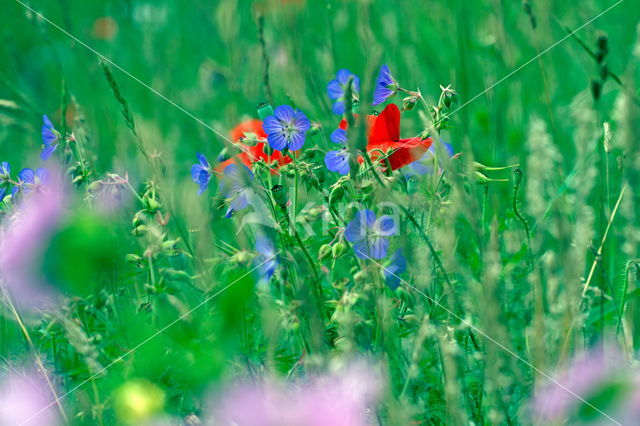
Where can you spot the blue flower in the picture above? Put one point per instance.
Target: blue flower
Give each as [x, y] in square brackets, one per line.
[235, 187]
[397, 265]
[386, 86]
[201, 173]
[338, 161]
[423, 166]
[267, 260]
[337, 87]
[286, 128]
[369, 235]
[50, 138]
[30, 180]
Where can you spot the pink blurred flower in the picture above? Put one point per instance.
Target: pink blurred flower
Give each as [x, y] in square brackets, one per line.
[24, 395]
[24, 234]
[586, 373]
[343, 398]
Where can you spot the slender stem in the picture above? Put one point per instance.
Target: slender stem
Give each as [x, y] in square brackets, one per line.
[41, 366]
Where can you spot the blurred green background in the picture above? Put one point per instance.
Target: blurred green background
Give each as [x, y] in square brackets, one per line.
[206, 57]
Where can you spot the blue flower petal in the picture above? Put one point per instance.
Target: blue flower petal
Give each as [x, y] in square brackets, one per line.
[337, 161]
[335, 89]
[277, 141]
[241, 201]
[284, 113]
[202, 160]
[196, 169]
[385, 226]
[271, 125]
[27, 175]
[5, 168]
[301, 122]
[47, 151]
[378, 247]
[356, 230]
[297, 141]
[339, 136]
[338, 107]
[203, 181]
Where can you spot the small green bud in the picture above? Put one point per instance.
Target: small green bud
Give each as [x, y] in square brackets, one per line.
[324, 251]
[338, 249]
[517, 177]
[133, 258]
[314, 130]
[279, 195]
[409, 103]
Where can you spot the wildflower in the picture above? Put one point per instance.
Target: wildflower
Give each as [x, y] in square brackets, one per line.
[370, 236]
[384, 141]
[234, 188]
[386, 86]
[267, 259]
[338, 86]
[255, 153]
[397, 265]
[24, 236]
[286, 128]
[30, 180]
[50, 138]
[339, 399]
[26, 399]
[587, 373]
[201, 173]
[338, 161]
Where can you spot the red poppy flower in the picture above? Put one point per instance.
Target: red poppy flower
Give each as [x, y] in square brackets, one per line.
[384, 137]
[252, 154]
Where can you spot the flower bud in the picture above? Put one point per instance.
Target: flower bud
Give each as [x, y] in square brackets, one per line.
[279, 195]
[338, 249]
[264, 110]
[324, 251]
[409, 103]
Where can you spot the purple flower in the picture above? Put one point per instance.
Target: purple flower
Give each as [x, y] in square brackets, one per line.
[50, 138]
[201, 173]
[286, 128]
[343, 398]
[24, 237]
[25, 399]
[338, 161]
[338, 86]
[30, 180]
[587, 373]
[386, 86]
[235, 187]
[397, 265]
[267, 260]
[370, 235]
[423, 166]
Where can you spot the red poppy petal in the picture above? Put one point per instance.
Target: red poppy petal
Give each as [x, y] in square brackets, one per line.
[386, 126]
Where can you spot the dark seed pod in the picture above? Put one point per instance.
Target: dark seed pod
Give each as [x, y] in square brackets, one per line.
[596, 89]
